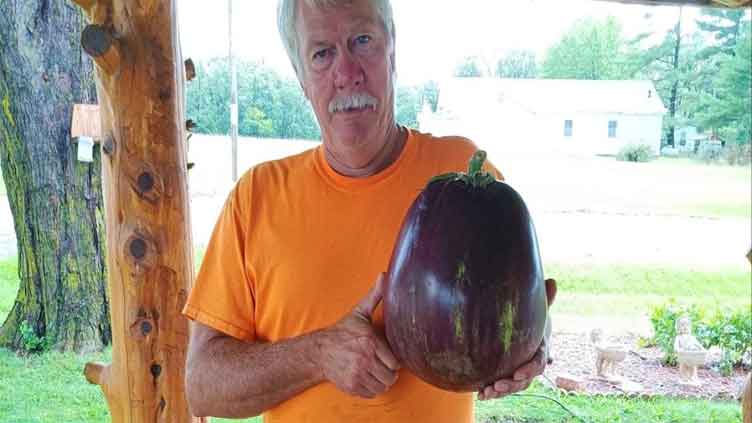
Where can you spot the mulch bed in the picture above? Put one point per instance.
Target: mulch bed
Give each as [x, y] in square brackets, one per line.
[573, 354]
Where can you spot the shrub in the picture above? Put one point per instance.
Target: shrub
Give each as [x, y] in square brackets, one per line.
[636, 153]
[31, 341]
[731, 331]
[737, 154]
[663, 319]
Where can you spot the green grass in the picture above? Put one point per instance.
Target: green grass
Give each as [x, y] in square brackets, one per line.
[629, 290]
[8, 285]
[604, 409]
[50, 387]
[2, 185]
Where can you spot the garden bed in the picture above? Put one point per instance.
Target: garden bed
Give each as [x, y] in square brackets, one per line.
[573, 354]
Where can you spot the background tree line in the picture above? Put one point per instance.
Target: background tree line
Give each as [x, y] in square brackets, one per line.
[703, 76]
[271, 105]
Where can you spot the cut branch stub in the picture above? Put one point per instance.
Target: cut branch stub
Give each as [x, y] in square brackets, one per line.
[102, 47]
[141, 251]
[190, 70]
[95, 372]
[147, 183]
[108, 146]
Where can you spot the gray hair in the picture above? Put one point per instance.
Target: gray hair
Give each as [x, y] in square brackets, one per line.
[286, 16]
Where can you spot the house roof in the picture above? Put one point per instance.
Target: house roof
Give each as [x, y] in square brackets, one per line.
[551, 95]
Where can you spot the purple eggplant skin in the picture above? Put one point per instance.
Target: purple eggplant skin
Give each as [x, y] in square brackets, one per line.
[464, 300]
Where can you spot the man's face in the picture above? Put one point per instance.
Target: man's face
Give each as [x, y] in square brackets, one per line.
[347, 74]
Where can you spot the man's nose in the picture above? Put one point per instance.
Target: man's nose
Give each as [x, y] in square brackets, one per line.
[348, 71]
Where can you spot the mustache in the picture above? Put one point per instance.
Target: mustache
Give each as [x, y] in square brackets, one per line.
[352, 101]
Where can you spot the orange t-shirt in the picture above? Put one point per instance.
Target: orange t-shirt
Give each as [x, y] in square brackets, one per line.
[298, 245]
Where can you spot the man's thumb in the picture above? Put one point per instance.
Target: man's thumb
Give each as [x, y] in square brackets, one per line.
[368, 304]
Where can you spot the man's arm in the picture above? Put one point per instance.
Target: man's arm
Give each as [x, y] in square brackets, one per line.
[226, 377]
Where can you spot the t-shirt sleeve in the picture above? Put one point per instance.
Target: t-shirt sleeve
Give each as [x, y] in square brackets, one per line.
[223, 296]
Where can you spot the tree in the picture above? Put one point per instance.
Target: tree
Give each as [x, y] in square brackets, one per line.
[468, 67]
[56, 201]
[518, 64]
[270, 105]
[726, 26]
[728, 109]
[671, 69]
[589, 50]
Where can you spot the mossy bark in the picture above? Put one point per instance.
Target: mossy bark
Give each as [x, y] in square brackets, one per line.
[56, 201]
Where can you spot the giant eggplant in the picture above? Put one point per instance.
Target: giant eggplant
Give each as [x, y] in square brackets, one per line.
[464, 296]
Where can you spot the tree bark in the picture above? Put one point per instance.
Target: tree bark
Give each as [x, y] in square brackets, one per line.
[140, 86]
[56, 201]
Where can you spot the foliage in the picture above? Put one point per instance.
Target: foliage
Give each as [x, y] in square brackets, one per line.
[725, 26]
[31, 342]
[636, 153]
[430, 94]
[271, 105]
[727, 108]
[663, 319]
[518, 64]
[589, 50]
[731, 330]
[408, 105]
[469, 67]
[738, 154]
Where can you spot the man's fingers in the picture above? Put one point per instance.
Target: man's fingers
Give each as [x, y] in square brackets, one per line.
[385, 354]
[384, 375]
[368, 304]
[372, 386]
[533, 367]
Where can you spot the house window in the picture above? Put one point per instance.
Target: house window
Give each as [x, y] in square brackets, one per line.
[612, 128]
[567, 128]
[683, 139]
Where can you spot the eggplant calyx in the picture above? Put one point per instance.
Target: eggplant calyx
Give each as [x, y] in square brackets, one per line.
[475, 175]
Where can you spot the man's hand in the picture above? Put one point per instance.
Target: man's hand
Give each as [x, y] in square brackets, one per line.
[353, 356]
[523, 377]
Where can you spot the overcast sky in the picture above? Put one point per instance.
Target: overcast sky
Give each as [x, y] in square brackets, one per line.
[432, 35]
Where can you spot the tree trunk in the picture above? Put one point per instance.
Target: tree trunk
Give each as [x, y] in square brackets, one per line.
[56, 201]
[140, 86]
[674, 100]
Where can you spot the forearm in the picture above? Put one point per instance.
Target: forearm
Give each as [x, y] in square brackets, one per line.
[236, 379]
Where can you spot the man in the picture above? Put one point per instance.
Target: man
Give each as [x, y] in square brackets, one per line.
[285, 307]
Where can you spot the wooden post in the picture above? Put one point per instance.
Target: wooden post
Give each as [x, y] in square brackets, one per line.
[150, 257]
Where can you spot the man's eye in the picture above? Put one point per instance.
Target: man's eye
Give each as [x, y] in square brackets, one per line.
[363, 39]
[321, 54]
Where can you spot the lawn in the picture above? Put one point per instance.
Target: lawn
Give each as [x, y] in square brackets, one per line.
[50, 387]
[2, 185]
[629, 291]
[666, 186]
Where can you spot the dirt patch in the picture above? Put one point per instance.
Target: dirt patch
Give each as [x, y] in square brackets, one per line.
[573, 354]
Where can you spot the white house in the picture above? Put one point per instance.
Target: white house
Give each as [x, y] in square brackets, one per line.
[688, 139]
[548, 115]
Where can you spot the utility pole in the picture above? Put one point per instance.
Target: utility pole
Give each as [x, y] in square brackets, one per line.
[233, 99]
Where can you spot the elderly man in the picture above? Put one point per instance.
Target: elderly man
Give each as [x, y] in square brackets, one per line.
[285, 306]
